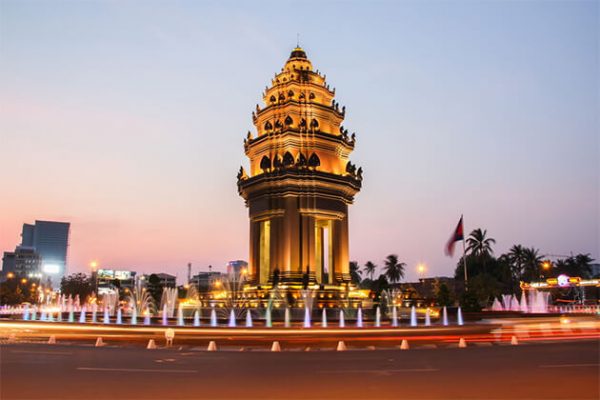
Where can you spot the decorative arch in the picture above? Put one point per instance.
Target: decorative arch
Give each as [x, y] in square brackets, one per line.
[303, 123]
[265, 163]
[278, 124]
[272, 99]
[288, 120]
[288, 159]
[302, 161]
[291, 93]
[314, 160]
[268, 126]
[314, 123]
[311, 96]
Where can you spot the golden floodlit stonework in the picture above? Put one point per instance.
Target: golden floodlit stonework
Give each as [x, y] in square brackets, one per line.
[300, 181]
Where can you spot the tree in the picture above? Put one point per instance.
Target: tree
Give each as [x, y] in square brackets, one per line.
[77, 284]
[394, 270]
[15, 291]
[370, 269]
[516, 257]
[531, 264]
[478, 244]
[442, 295]
[355, 272]
[578, 265]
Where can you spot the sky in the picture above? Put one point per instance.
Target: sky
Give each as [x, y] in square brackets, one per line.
[127, 119]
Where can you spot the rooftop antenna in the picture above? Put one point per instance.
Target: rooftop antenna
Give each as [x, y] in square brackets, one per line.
[297, 40]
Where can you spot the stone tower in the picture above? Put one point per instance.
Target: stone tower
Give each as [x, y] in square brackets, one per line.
[300, 182]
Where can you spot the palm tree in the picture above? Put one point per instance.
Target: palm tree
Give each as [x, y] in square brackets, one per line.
[355, 272]
[531, 263]
[370, 269]
[478, 244]
[394, 270]
[516, 259]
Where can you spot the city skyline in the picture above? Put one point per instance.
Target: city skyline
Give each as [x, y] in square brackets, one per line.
[127, 122]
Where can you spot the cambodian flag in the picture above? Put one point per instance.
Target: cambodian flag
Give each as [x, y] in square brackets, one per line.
[456, 236]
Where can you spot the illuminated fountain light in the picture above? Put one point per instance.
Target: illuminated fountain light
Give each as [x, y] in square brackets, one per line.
[497, 306]
[26, 313]
[377, 317]
[342, 320]
[268, 321]
[394, 316]
[286, 318]
[459, 317]
[147, 317]
[196, 318]
[248, 319]
[43, 315]
[359, 318]
[307, 321]
[165, 321]
[71, 315]
[324, 318]
[82, 315]
[59, 316]
[213, 318]
[34, 314]
[445, 316]
[231, 319]
[180, 321]
[427, 317]
[134, 316]
[523, 306]
[119, 316]
[106, 319]
[413, 316]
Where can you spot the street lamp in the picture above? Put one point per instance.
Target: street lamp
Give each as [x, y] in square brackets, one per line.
[421, 268]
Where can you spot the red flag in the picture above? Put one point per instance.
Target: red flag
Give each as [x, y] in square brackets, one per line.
[456, 236]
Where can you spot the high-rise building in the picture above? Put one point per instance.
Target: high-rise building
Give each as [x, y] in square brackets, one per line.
[237, 267]
[300, 181]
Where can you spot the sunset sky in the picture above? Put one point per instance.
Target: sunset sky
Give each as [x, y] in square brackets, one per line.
[127, 119]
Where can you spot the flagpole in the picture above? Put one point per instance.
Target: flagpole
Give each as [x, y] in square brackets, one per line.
[464, 254]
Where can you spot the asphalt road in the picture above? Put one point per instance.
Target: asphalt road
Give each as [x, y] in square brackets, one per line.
[565, 370]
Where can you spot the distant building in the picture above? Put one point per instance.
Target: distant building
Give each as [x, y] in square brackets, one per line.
[236, 267]
[8, 264]
[204, 280]
[110, 280]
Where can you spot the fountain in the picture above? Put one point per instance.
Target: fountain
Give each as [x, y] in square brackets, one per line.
[306, 317]
[538, 301]
[248, 319]
[342, 321]
[106, 316]
[324, 318]
[231, 319]
[413, 316]
[445, 316]
[82, 315]
[94, 311]
[147, 317]
[523, 306]
[180, 321]
[213, 318]
[377, 317]
[497, 306]
[26, 313]
[427, 317]
[50, 316]
[134, 316]
[43, 315]
[119, 316]
[359, 318]
[141, 300]
[71, 315]
[165, 320]
[459, 317]
[168, 301]
[34, 314]
[286, 318]
[394, 317]
[268, 322]
[59, 316]
[196, 318]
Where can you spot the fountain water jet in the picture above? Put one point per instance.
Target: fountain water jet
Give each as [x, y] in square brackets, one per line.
[377, 317]
[82, 315]
[394, 317]
[147, 317]
[94, 311]
[196, 318]
[268, 321]
[306, 317]
[180, 321]
[106, 317]
[342, 320]
[134, 316]
[359, 318]
[248, 319]
[34, 314]
[445, 316]
[286, 318]
[231, 319]
[459, 317]
[413, 316]
[165, 320]
[71, 315]
[213, 318]
[43, 315]
[427, 317]
[26, 313]
[324, 318]
[119, 316]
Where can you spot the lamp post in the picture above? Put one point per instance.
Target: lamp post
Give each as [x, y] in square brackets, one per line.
[421, 269]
